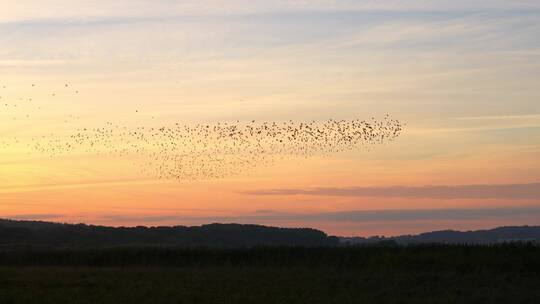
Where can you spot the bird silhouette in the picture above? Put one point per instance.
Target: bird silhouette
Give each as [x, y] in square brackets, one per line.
[181, 151]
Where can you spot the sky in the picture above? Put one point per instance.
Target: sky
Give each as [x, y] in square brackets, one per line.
[463, 75]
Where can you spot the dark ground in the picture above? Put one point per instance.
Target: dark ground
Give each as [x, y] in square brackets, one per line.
[375, 274]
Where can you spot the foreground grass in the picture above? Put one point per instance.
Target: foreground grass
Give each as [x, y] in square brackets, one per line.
[332, 275]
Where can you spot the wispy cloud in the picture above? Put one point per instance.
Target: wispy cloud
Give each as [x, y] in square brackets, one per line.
[277, 217]
[34, 217]
[35, 7]
[499, 117]
[428, 214]
[75, 184]
[488, 191]
[120, 218]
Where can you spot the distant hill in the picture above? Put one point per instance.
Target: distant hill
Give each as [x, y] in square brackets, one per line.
[46, 234]
[38, 234]
[492, 236]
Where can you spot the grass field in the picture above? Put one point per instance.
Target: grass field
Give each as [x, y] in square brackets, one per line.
[427, 274]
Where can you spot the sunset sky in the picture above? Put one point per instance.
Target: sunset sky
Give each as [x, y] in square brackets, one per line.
[463, 75]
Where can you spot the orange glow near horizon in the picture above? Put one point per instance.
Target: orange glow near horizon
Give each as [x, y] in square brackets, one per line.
[465, 84]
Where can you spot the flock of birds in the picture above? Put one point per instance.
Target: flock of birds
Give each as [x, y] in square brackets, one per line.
[214, 150]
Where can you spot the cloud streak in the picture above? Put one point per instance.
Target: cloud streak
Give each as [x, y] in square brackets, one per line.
[34, 217]
[487, 191]
[75, 184]
[84, 8]
[351, 216]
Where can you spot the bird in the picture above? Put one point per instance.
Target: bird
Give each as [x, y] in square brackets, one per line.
[205, 151]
